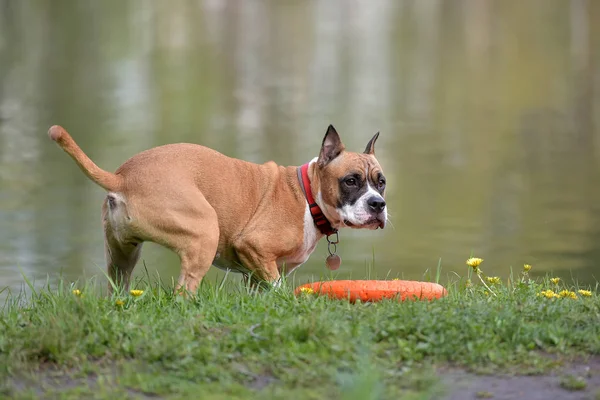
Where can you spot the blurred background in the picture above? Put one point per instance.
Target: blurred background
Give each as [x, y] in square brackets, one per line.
[489, 113]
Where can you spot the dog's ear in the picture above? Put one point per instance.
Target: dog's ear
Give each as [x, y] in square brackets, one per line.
[331, 148]
[371, 145]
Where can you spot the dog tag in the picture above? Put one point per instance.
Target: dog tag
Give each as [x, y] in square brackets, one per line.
[333, 262]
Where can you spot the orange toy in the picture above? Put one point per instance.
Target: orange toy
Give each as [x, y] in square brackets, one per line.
[374, 290]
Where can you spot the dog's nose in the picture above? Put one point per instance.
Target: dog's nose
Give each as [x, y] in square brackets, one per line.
[376, 204]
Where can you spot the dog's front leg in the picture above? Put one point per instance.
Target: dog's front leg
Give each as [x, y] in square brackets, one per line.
[255, 284]
[261, 269]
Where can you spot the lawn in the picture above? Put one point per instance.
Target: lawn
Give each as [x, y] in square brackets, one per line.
[228, 342]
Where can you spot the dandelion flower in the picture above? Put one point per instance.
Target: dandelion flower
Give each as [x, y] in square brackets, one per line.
[396, 279]
[549, 294]
[307, 290]
[493, 280]
[526, 268]
[136, 293]
[567, 294]
[119, 303]
[77, 292]
[474, 262]
[555, 281]
[585, 293]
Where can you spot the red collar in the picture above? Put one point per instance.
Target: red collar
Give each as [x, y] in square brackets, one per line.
[320, 220]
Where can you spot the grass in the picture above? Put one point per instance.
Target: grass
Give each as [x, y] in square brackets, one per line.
[229, 343]
[571, 382]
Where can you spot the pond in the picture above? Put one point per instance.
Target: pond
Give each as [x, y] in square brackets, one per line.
[489, 113]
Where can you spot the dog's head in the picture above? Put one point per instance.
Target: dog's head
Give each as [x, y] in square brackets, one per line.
[350, 187]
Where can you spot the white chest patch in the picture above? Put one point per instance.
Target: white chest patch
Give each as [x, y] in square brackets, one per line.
[309, 242]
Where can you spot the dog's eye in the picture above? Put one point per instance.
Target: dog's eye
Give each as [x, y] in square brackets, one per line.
[381, 183]
[350, 182]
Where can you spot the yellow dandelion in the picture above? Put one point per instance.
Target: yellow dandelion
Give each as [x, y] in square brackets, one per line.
[555, 281]
[585, 293]
[119, 303]
[526, 268]
[474, 262]
[77, 292]
[549, 294]
[396, 279]
[493, 280]
[567, 294]
[307, 290]
[136, 293]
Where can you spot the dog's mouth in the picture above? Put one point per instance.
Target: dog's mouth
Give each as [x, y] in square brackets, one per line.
[373, 223]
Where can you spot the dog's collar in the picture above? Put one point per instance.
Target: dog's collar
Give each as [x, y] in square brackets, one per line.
[320, 220]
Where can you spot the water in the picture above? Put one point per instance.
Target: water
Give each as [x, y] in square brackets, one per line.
[489, 113]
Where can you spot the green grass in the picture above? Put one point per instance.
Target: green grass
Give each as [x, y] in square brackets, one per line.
[571, 382]
[229, 343]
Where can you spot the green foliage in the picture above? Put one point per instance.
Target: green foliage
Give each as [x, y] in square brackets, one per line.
[573, 383]
[227, 342]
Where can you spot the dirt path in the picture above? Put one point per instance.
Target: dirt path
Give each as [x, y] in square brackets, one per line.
[577, 381]
[574, 382]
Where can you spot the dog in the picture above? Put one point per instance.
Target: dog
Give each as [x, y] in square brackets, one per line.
[262, 220]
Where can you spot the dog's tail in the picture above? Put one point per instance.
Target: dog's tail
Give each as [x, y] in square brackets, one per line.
[107, 180]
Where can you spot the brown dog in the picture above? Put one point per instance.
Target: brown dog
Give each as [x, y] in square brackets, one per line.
[213, 209]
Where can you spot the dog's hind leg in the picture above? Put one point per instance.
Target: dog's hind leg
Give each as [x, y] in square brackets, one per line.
[120, 261]
[196, 261]
[185, 223]
[121, 253]
[197, 249]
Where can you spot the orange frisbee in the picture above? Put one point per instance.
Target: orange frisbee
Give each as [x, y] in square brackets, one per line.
[374, 290]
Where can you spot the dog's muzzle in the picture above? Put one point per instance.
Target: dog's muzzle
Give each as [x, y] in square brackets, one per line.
[376, 206]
